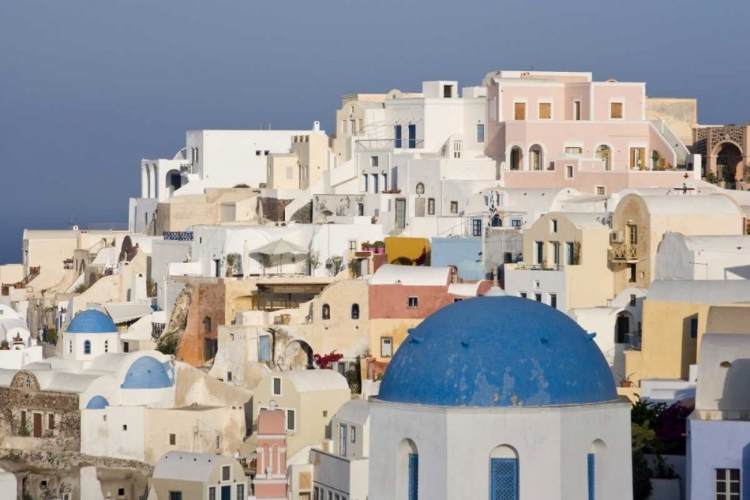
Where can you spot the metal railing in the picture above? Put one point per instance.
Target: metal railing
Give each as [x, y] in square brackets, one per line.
[156, 330]
[623, 253]
[178, 235]
[388, 144]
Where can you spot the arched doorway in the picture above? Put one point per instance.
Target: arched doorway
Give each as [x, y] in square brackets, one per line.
[729, 162]
[173, 181]
[604, 153]
[516, 158]
[536, 155]
[298, 355]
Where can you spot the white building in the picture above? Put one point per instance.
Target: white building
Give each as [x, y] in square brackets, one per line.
[91, 333]
[681, 257]
[489, 395]
[20, 349]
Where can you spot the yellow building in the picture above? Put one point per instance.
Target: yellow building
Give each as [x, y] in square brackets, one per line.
[216, 205]
[310, 156]
[640, 222]
[407, 251]
[564, 262]
[676, 314]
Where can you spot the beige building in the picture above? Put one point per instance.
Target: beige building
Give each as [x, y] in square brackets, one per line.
[564, 262]
[216, 205]
[676, 314]
[193, 476]
[310, 399]
[310, 156]
[681, 115]
[640, 222]
[50, 249]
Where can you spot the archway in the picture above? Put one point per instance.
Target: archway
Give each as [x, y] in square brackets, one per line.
[624, 328]
[536, 157]
[298, 355]
[516, 158]
[403, 261]
[407, 470]
[729, 162]
[504, 472]
[173, 181]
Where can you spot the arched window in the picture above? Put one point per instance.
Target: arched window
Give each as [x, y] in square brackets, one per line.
[355, 311]
[504, 473]
[407, 471]
[326, 311]
[594, 460]
[87, 347]
[516, 158]
[604, 153]
[420, 188]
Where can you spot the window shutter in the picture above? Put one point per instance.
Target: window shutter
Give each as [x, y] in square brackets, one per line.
[504, 479]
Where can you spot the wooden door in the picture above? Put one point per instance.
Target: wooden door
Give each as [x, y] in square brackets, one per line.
[37, 425]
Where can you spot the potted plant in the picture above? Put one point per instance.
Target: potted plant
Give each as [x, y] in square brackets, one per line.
[379, 247]
[625, 381]
[366, 246]
[4, 346]
[655, 157]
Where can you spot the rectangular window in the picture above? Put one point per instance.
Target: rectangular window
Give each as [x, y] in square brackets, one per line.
[385, 182]
[264, 348]
[538, 297]
[353, 433]
[430, 206]
[290, 422]
[352, 245]
[172, 439]
[175, 495]
[632, 269]
[538, 252]
[507, 258]
[600, 190]
[457, 146]
[553, 226]
[212, 493]
[553, 300]
[374, 160]
[574, 150]
[569, 252]
[615, 110]
[693, 328]
[480, 133]
[397, 136]
[632, 234]
[276, 386]
[569, 172]
[316, 493]
[360, 209]
[413, 476]
[121, 492]
[375, 187]
[241, 492]
[386, 347]
[556, 253]
[413, 302]
[51, 421]
[727, 484]
[342, 439]
[124, 427]
[476, 227]
[353, 126]
[515, 223]
[545, 111]
[637, 158]
[365, 186]
[591, 464]
[226, 472]
[400, 213]
[522, 295]
[504, 478]
[632, 300]
[454, 207]
[412, 136]
[577, 110]
[519, 111]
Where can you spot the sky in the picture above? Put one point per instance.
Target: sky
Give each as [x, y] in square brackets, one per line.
[89, 87]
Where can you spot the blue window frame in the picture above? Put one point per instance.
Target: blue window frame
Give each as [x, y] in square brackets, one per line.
[476, 227]
[480, 132]
[87, 347]
[412, 136]
[397, 136]
[592, 476]
[413, 476]
[504, 479]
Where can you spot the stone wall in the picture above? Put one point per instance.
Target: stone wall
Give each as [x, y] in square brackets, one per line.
[303, 215]
[272, 208]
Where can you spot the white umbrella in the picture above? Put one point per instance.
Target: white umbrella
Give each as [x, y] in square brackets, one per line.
[280, 247]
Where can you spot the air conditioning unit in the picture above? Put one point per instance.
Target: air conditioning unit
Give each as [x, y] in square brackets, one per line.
[616, 237]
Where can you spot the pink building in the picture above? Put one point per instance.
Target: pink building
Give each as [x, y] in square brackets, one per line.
[565, 130]
[270, 480]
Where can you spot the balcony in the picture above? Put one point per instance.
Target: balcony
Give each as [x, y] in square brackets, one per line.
[388, 144]
[178, 235]
[623, 253]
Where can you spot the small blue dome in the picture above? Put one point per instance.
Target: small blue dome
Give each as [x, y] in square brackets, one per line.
[97, 403]
[498, 351]
[92, 321]
[147, 373]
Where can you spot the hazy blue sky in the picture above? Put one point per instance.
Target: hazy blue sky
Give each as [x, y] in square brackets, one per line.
[89, 87]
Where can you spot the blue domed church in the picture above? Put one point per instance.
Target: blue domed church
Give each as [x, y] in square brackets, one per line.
[499, 398]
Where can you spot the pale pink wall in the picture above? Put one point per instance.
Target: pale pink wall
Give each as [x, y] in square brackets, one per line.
[554, 136]
[574, 92]
[633, 96]
[533, 94]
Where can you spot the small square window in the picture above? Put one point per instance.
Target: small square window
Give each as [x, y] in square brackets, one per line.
[352, 245]
[515, 223]
[522, 295]
[374, 160]
[538, 297]
[553, 226]
[615, 110]
[413, 302]
[258, 152]
[266, 153]
[553, 300]
[600, 190]
[172, 439]
[454, 207]
[124, 427]
[632, 300]
[457, 300]
[121, 492]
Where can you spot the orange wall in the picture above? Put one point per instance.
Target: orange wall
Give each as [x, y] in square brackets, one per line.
[208, 301]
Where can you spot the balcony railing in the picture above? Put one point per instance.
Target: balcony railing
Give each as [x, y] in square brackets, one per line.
[186, 168]
[388, 144]
[156, 330]
[178, 235]
[623, 253]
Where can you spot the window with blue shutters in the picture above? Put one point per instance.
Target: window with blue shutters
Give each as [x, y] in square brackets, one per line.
[504, 479]
[592, 476]
[413, 476]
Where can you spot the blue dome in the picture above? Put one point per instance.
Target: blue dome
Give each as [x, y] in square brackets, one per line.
[97, 403]
[92, 321]
[147, 373]
[498, 351]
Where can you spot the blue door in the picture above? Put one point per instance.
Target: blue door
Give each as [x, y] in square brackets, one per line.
[504, 479]
[226, 493]
[264, 349]
[413, 476]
